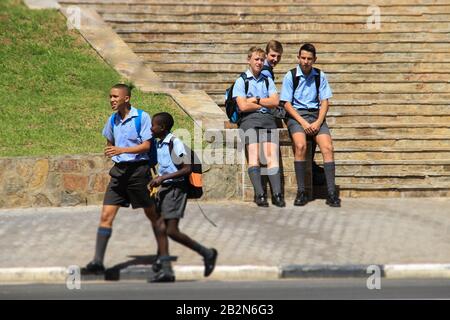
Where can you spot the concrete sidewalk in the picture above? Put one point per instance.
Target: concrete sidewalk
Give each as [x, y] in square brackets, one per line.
[405, 237]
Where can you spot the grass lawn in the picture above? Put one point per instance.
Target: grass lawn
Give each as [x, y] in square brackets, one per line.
[54, 87]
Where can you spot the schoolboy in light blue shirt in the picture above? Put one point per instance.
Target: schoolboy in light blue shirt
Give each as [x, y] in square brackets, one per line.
[174, 168]
[257, 123]
[307, 112]
[130, 174]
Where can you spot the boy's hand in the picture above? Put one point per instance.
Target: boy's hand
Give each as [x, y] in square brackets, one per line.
[315, 126]
[156, 182]
[111, 151]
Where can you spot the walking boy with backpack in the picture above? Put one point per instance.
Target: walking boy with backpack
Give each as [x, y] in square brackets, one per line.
[306, 92]
[175, 167]
[129, 140]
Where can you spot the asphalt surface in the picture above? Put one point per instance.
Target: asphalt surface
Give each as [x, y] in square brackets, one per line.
[236, 290]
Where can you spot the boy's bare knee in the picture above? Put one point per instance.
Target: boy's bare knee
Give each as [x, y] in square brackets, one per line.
[300, 149]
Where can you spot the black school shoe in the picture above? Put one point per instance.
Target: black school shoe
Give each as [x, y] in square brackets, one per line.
[301, 199]
[278, 200]
[162, 276]
[261, 200]
[333, 200]
[156, 265]
[93, 268]
[210, 262]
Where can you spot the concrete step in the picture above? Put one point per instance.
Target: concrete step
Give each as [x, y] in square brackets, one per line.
[387, 168]
[351, 119]
[340, 142]
[389, 130]
[261, 8]
[397, 88]
[284, 66]
[368, 191]
[291, 47]
[297, 18]
[333, 77]
[325, 58]
[307, 36]
[371, 98]
[387, 154]
[261, 2]
[224, 26]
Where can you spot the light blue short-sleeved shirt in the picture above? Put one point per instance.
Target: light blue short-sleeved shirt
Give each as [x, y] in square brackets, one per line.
[305, 96]
[165, 161]
[267, 72]
[125, 135]
[256, 88]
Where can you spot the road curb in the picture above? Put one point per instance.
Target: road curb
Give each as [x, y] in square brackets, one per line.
[235, 273]
[328, 271]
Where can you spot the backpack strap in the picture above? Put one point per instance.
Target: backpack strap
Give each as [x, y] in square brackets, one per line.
[295, 81]
[137, 123]
[112, 121]
[317, 80]
[171, 149]
[246, 82]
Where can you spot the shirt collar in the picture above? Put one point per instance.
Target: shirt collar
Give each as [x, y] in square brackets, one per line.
[133, 113]
[167, 138]
[249, 75]
[301, 74]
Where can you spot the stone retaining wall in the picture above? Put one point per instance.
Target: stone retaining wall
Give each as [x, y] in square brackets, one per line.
[82, 180]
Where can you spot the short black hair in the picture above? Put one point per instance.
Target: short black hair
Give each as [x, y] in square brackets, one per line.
[308, 47]
[165, 119]
[123, 86]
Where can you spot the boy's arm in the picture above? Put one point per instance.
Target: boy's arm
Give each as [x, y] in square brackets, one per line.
[184, 170]
[271, 102]
[247, 105]
[111, 150]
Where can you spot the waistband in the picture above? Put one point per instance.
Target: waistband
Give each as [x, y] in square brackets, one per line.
[131, 164]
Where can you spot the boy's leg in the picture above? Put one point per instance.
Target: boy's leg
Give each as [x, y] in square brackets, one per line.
[209, 255]
[254, 173]
[104, 232]
[299, 146]
[271, 152]
[326, 148]
[159, 230]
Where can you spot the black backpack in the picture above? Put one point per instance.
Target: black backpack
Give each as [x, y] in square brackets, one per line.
[231, 107]
[194, 180]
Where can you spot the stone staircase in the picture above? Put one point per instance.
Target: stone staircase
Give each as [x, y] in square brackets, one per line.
[390, 113]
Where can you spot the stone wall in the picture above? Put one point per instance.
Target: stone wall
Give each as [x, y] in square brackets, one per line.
[82, 180]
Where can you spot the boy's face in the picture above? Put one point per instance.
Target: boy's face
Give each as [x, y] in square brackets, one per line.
[118, 98]
[157, 128]
[273, 58]
[256, 62]
[306, 60]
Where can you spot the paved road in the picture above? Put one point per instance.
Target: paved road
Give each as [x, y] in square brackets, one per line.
[217, 290]
[363, 231]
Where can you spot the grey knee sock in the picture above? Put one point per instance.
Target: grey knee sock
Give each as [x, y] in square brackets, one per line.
[275, 179]
[103, 235]
[330, 173]
[300, 168]
[255, 177]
